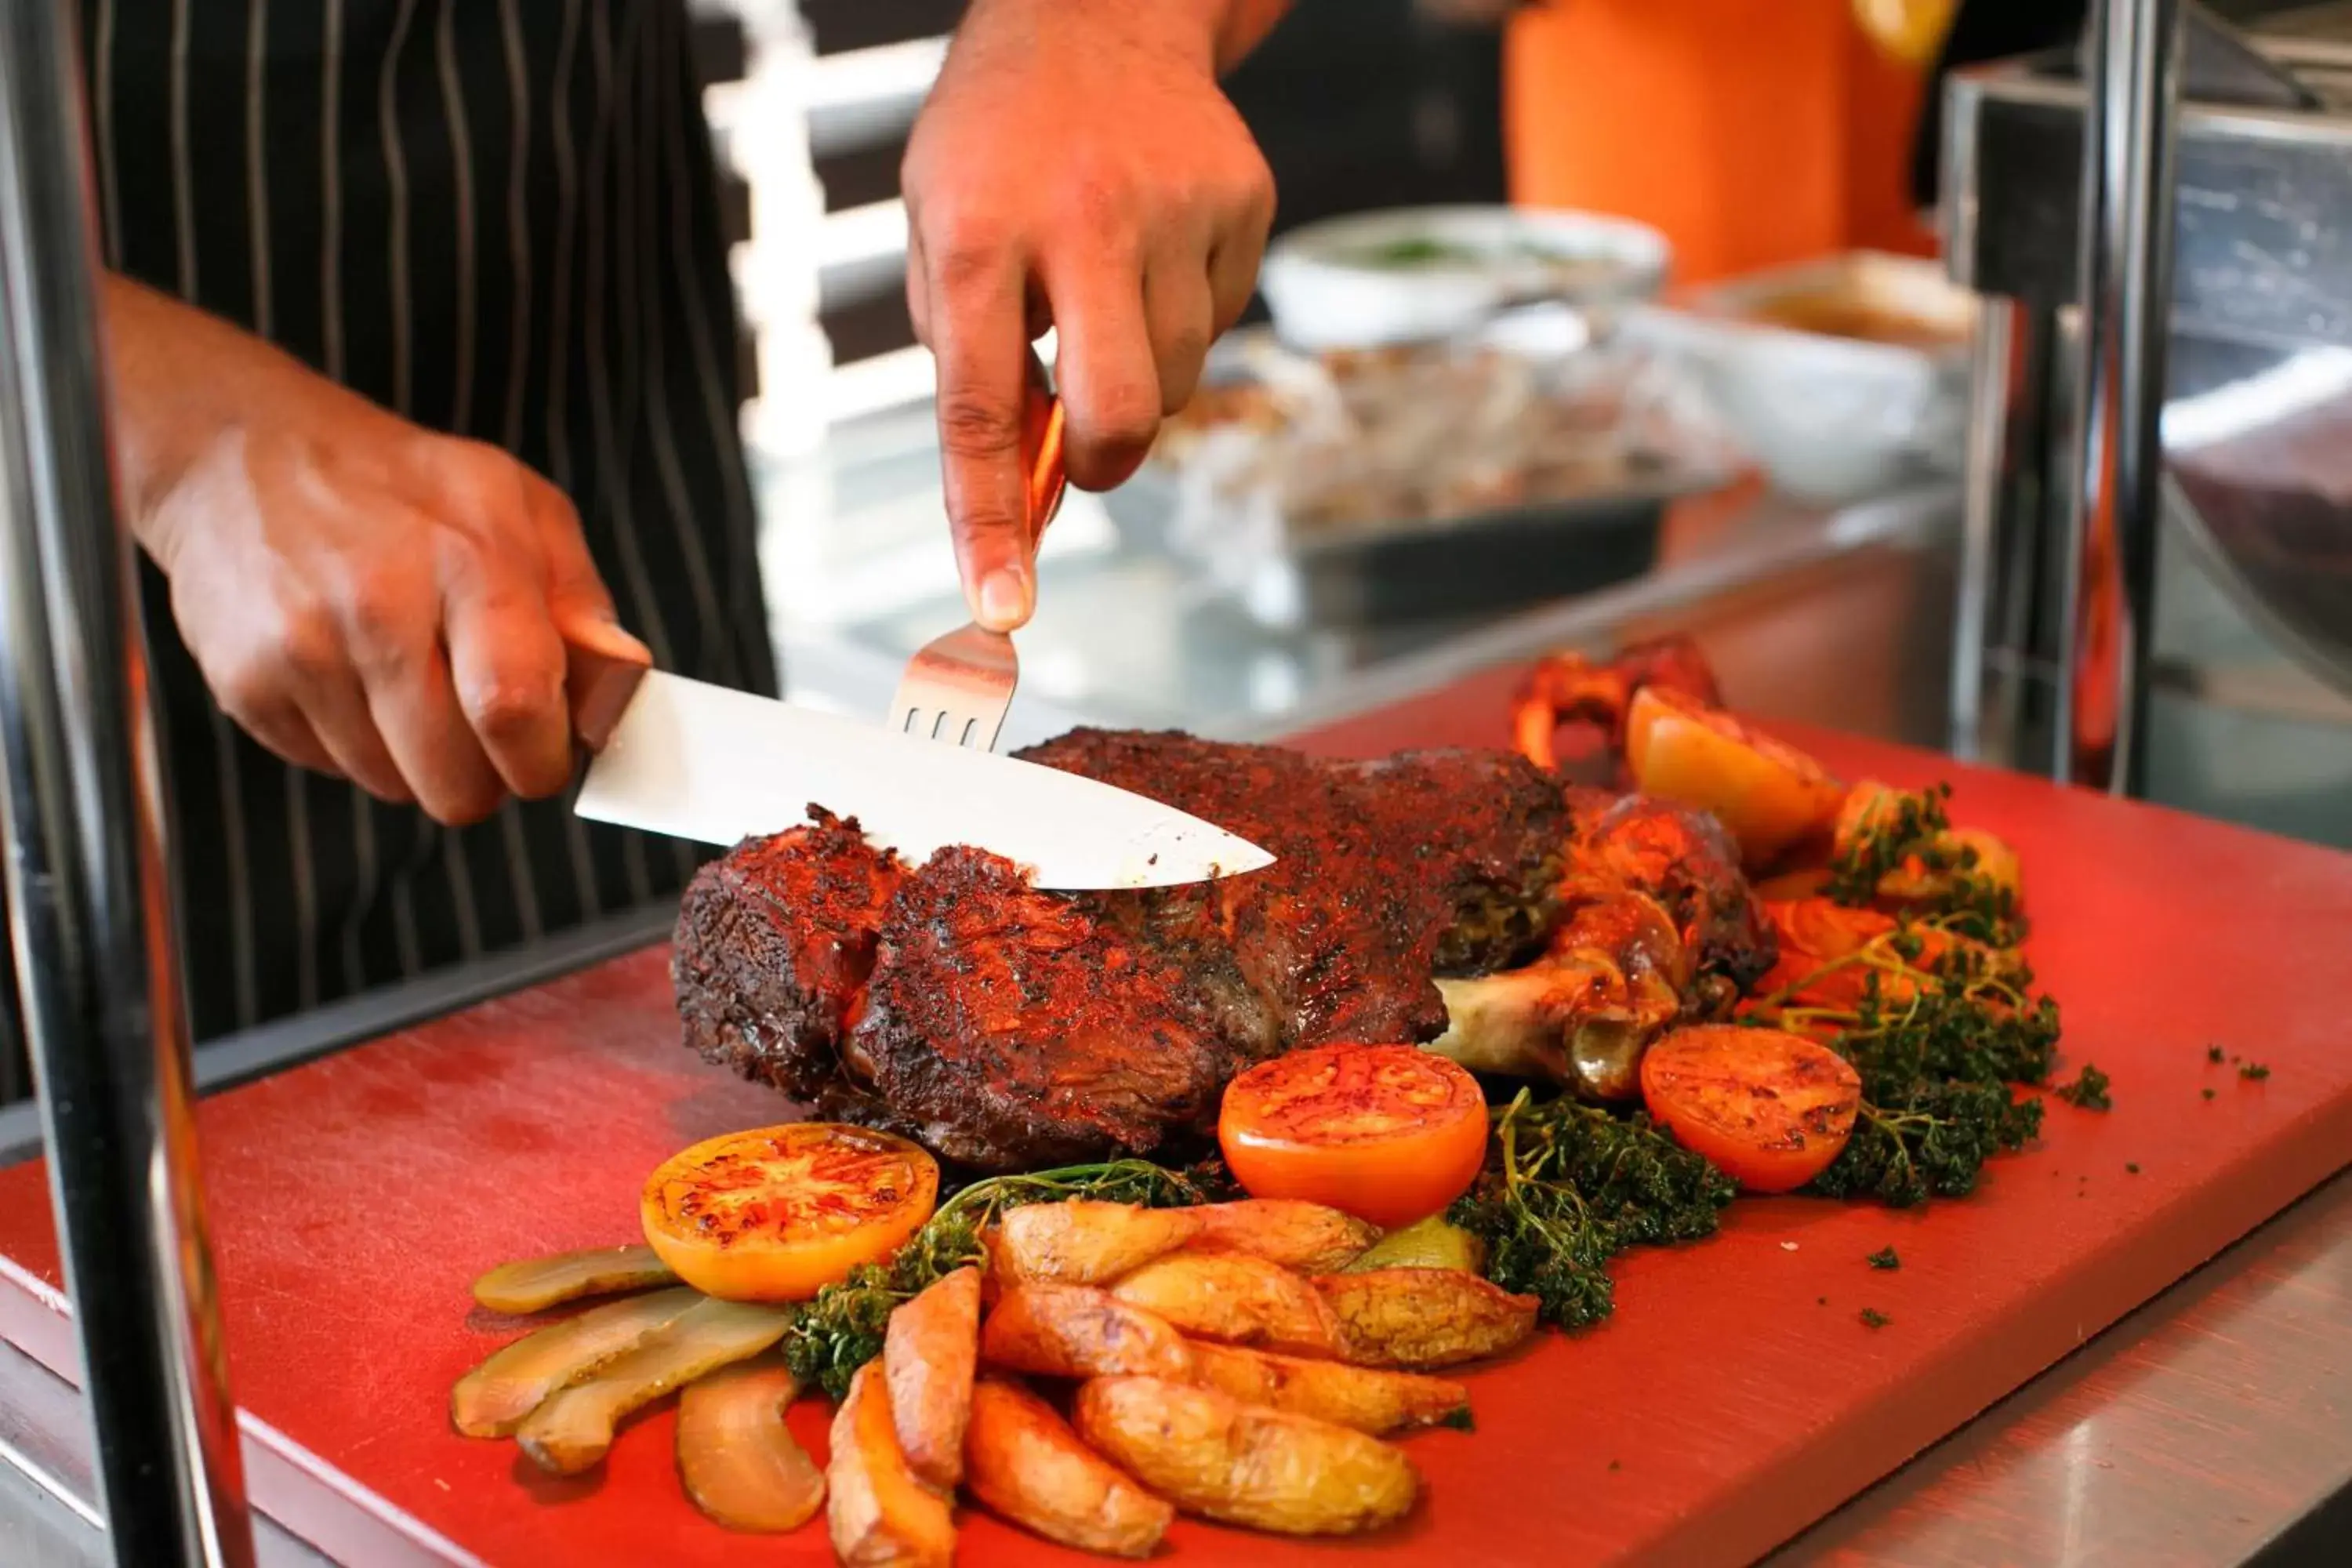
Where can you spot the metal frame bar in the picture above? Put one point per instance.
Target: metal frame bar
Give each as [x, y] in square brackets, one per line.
[2129, 136]
[90, 898]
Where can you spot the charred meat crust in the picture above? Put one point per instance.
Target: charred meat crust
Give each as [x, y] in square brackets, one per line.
[774, 943]
[1011, 1026]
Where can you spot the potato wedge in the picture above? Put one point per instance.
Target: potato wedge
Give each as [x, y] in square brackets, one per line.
[1210, 1453]
[1085, 1242]
[1023, 1461]
[492, 1400]
[1366, 1398]
[572, 1430]
[738, 1462]
[876, 1510]
[928, 1354]
[1235, 1299]
[1080, 1330]
[535, 1284]
[1422, 1318]
[1302, 1235]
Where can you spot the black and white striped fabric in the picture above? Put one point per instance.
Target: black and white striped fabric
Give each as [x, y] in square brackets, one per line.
[499, 219]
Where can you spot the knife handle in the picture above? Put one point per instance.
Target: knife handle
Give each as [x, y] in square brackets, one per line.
[597, 685]
[1041, 449]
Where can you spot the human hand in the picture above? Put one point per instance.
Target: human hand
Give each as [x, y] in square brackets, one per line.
[1076, 167]
[363, 597]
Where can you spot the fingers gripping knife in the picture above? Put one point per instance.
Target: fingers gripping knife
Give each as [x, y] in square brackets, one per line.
[958, 687]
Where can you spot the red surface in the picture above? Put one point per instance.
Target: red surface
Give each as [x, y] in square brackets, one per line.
[1724, 1406]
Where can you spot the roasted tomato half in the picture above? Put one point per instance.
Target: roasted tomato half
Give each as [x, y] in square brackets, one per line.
[1388, 1134]
[775, 1214]
[1768, 795]
[1769, 1109]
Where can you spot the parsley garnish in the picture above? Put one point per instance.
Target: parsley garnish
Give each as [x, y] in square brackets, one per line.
[1567, 1186]
[2088, 1090]
[1884, 1259]
[2253, 1072]
[1871, 1318]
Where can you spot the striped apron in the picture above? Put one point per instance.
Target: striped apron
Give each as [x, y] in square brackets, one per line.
[498, 218]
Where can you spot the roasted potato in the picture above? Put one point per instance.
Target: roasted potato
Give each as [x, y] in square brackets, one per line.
[929, 1356]
[1302, 1235]
[1235, 1299]
[1421, 1317]
[1079, 1330]
[1363, 1397]
[877, 1509]
[1021, 1459]
[1084, 1242]
[1210, 1453]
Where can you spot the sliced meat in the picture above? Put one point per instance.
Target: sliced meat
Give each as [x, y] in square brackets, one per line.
[774, 943]
[1009, 1027]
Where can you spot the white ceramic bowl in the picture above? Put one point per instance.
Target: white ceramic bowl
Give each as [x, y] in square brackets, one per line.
[1829, 418]
[1348, 283]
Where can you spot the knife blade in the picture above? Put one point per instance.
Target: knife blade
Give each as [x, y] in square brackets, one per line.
[702, 761]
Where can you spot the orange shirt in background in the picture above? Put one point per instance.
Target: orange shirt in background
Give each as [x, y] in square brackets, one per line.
[1752, 132]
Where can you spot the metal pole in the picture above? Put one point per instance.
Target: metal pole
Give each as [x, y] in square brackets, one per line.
[92, 922]
[2131, 55]
[1985, 487]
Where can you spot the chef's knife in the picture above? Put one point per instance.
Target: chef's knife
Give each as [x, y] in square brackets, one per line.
[693, 761]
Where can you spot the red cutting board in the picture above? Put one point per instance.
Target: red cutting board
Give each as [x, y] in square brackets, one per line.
[1734, 1398]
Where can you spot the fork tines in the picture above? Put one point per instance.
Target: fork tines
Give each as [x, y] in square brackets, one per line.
[957, 689]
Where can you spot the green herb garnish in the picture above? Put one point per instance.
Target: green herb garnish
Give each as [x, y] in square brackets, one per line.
[1883, 1257]
[1871, 1318]
[1567, 1186]
[2088, 1090]
[2253, 1072]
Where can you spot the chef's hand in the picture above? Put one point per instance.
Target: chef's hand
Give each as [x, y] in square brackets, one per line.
[1076, 166]
[364, 598]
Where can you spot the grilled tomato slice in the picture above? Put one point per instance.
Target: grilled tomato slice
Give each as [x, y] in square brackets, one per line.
[1388, 1134]
[1768, 795]
[773, 1215]
[1769, 1109]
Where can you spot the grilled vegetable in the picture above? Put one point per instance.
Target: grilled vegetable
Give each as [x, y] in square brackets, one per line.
[492, 1400]
[1432, 1243]
[1417, 1318]
[1021, 1459]
[876, 1510]
[1767, 794]
[1087, 1242]
[1211, 1455]
[1079, 1330]
[1767, 1109]
[1310, 1238]
[776, 1214]
[1365, 1398]
[1235, 1299]
[572, 1430]
[927, 1357]
[535, 1284]
[740, 1464]
[1389, 1133]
